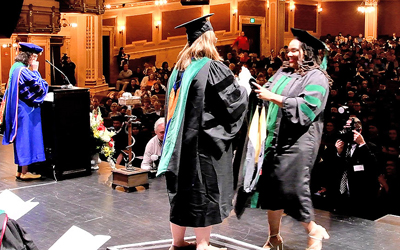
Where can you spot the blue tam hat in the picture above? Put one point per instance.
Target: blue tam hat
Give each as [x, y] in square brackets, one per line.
[196, 27]
[30, 47]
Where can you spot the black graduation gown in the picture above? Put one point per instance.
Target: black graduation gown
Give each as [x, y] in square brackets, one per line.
[200, 174]
[295, 130]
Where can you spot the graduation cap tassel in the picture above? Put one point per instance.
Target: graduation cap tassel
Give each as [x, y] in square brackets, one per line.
[324, 64]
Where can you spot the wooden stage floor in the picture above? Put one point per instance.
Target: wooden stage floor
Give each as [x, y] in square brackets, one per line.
[140, 217]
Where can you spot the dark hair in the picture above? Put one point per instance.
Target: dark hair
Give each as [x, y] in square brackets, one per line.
[311, 61]
[310, 55]
[23, 57]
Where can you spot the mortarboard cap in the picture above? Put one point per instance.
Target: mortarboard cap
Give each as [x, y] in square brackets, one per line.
[30, 47]
[305, 37]
[196, 27]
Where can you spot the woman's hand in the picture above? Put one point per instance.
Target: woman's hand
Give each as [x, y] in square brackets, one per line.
[266, 95]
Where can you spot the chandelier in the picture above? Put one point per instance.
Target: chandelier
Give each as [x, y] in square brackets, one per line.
[368, 6]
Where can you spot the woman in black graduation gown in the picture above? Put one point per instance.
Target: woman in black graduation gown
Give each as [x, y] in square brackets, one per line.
[206, 107]
[296, 95]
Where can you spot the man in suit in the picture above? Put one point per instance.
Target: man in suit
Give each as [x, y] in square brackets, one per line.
[355, 173]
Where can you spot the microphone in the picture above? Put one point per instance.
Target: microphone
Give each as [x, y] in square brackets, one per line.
[65, 86]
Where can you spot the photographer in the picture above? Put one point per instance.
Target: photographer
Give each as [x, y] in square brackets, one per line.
[355, 173]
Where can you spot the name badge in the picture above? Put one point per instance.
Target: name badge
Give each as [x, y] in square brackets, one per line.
[358, 168]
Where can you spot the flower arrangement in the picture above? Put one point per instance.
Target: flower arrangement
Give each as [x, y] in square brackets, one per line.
[102, 137]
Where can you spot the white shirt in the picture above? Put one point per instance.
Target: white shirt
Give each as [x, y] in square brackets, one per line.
[153, 147]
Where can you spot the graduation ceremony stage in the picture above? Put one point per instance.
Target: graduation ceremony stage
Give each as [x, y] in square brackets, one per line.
[139, 220]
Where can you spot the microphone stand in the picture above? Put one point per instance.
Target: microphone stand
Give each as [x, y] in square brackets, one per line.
[65, 86]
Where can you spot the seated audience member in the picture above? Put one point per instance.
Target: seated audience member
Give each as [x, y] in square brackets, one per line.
[107, 105]
[149, 71]
[96, 109]
[357, 109]
[373, 135]
[152, 152]
[261, 79]
[124, 78]
[164, 80]
[158, 109]
[152, 79]
[146, 106]
[118, 95]
[392, 137]
[264, 62]
[157, 89]
[153, 99]
[114, 110]
[253, 62]
[165, 69]
[120, 138]
[232, 67]
[142, 92]
[138, 73]
[244, 57]
[123, 110]
[230, 59]
[389, 191]
[140, 139]
[359, 39]
[270, 73]
[137, 111]
[133, 86]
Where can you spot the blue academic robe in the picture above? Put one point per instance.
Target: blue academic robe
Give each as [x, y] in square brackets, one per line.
[23, 127]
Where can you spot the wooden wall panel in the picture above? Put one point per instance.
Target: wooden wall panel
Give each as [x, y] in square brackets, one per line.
[171, 19]
[341, 17]
[221, 18]
[42, 63]
[388, 18]
[287, 17]
[139, 28]
[251, 8]
[109, 22]
[5, 63]
[305, 17]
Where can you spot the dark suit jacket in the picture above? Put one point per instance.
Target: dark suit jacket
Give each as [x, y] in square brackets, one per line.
[363, 184]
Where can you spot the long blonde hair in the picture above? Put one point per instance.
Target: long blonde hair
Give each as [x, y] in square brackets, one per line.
[204, 46]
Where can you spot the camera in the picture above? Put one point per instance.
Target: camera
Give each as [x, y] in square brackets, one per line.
[346, 134]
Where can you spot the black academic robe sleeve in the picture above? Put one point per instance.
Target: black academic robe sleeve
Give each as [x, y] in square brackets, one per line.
[225, 105]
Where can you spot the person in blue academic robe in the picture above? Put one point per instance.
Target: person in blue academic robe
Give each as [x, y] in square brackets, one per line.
[25, 93]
